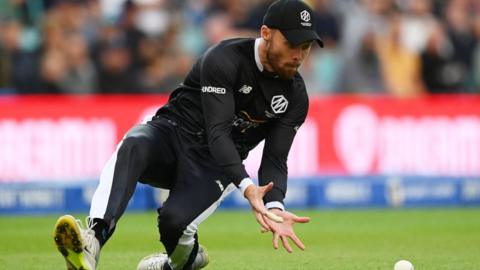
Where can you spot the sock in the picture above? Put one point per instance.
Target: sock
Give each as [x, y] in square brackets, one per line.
[101, 229]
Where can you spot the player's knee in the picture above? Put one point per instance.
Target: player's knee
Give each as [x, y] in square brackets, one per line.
[171, 226]
[171, 221]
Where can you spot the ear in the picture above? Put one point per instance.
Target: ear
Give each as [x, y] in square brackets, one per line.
[265, 33]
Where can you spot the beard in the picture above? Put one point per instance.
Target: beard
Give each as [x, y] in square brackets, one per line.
[284, 71]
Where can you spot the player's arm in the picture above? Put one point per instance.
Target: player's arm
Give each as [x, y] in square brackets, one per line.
[217, 78]
[279, 139]
[274, 168]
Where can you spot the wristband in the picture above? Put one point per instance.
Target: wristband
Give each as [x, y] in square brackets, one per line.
[244, 184]
[275, 204]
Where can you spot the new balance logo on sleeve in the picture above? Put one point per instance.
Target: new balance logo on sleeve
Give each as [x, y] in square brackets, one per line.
[215, 90]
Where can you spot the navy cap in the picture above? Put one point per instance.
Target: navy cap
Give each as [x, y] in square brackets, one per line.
[295, 19]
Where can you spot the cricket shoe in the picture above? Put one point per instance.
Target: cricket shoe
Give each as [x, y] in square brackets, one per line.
[158, 260]
[201, 260]
[78, 246]
[154, 261]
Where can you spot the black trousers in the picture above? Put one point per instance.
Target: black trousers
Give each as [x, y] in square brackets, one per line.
[163, 154]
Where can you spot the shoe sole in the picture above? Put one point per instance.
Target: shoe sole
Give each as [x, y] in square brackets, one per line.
[68, 241]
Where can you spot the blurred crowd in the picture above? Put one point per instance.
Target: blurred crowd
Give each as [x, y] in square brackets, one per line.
[404, 48]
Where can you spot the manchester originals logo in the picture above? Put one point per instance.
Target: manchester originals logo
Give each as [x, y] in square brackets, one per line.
[305, 16]
[279, 104]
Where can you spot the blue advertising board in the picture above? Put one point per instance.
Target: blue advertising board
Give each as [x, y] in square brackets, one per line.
[314, 192]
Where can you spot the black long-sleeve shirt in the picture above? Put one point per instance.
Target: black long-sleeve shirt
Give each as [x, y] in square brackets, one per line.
[228, 97]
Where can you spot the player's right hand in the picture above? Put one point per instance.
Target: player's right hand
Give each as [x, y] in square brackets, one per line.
[254, 194]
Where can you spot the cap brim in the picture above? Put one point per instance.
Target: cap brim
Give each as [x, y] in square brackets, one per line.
[299, 36]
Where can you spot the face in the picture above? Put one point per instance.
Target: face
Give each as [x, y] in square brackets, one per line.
[282, 57]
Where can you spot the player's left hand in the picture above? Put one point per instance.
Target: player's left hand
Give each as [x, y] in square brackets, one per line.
[284, 230]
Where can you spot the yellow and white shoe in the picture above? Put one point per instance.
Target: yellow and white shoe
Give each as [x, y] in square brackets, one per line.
[78, 246]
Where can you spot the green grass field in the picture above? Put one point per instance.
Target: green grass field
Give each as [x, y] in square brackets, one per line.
[433, 239]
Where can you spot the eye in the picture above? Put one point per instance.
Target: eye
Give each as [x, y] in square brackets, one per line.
[306, 46]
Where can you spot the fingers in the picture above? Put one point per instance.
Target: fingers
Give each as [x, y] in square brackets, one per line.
[273, 217]
[297, 242]
[301, 219]
[266, 188]
[255, 195]
[275, 240]
[285, 244]
[263, 224]
[258, 204]
[258, 207]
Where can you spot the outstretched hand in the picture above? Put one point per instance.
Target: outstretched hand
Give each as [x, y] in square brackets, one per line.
[254, 194]
[283, 231]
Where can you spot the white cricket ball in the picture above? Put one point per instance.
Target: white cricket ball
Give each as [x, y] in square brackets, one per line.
[403, 265]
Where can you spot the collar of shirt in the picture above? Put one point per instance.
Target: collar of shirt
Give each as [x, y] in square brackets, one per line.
[256, 52]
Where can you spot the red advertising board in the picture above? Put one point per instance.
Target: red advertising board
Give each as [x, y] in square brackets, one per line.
[434, 135]
[65, 138]
[69, 138]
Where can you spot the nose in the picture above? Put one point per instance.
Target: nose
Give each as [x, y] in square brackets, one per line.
[297, 54]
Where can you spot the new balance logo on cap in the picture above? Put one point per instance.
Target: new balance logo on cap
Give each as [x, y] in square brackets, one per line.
[245, 89]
